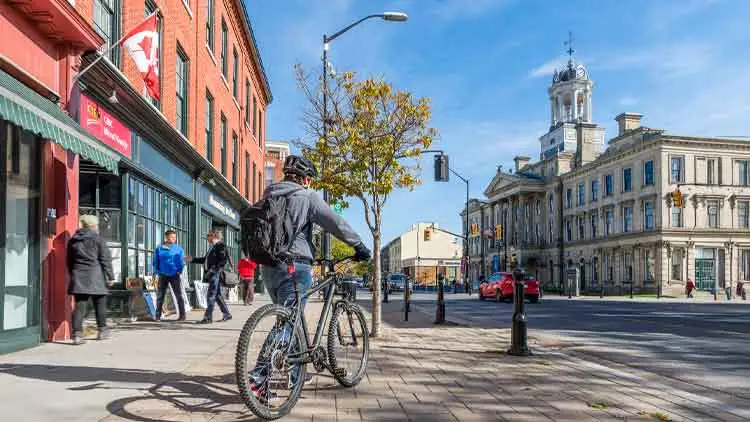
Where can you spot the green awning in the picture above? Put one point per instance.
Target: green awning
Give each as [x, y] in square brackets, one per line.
[24, 107]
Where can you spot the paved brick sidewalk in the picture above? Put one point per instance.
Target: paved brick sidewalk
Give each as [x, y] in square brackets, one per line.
[417, 371]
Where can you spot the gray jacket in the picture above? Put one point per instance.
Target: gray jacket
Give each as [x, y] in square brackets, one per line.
[308, 207]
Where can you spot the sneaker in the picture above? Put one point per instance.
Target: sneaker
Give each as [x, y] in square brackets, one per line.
[78, 339]
[226, 318]
[204, 321]
[104, 334]
[182, 318]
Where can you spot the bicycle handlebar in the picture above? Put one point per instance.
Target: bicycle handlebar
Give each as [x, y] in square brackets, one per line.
[334, 262]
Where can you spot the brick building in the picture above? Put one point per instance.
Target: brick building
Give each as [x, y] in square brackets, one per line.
[190, 161]
[276, 153]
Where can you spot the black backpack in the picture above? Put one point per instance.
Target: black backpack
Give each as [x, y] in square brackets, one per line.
[268, 231]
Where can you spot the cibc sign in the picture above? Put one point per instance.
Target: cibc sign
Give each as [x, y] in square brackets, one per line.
[104, 127]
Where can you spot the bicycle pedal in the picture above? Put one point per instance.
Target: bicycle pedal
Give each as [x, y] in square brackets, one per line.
[340, 372]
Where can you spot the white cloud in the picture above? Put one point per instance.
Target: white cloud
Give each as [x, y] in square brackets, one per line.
[548, 68]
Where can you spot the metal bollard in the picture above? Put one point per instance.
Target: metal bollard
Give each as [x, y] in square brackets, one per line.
[631, 289]
[407, 301]
[519, 337]
[385, 293]
[440, 311]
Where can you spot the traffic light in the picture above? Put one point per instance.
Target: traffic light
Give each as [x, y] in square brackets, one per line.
[474, 229]
[498, 232]
[427, 235]
[677, 198]
[441, 168]
[513, 260]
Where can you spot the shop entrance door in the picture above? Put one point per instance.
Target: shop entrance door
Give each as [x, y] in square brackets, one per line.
[705, 269]
[20, 275]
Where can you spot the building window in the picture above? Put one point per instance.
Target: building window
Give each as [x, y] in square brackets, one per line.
[99, 195]
[581, 228]
[269, 175]
[711, 174]
[627, 180]
[677, 257]
[235, 80]
[629, 266]
[648, 173]
[210, 26]
[607, 268]
[648, 215]
[223, 146]
[551, 206]
[568, 231]
[260, 183]
[254, 184]
[224, 58]
[107, 24]
[595, 269]
[594, 190]
[551, 232]
[594, 223]
[676, 167]
[627, 219]
[745, 265]
[649, 258]
[743, 179]
[182, 91]
[581, 194]
[209, 127]
[255, 116]
[247, 101]
[152, 212]
[568, 198]
[676, 216]
[260, 128]
[743, 215]
[609, 185]
[235, 154]
[150, 10]
[713, 214]
[247, 175]
[609, 222]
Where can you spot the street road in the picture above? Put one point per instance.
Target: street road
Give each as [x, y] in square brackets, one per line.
[704, 344]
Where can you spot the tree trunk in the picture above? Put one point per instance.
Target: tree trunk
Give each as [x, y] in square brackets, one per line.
[376, 282]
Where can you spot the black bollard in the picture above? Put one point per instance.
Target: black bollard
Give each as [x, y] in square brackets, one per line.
[385, 293]
[631, 289]
[519, 339]
[440, 311]
[407, 300]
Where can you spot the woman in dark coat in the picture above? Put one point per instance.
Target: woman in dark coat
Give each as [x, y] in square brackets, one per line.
[91, 275]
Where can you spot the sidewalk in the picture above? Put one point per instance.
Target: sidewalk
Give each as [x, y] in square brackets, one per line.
[417, 371]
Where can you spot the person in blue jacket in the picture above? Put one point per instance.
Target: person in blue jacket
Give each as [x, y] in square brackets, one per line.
[169, 261]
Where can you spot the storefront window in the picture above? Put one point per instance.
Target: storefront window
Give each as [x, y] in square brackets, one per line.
[155, 212]
[100, 195]
[19, 225]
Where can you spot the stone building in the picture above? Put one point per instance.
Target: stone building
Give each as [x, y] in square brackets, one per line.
[611, 213]
[421, 253]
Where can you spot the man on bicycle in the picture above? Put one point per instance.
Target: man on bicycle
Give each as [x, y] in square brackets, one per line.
[306, 208]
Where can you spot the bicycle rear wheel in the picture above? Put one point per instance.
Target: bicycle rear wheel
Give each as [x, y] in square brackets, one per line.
[268, 385]
[348, 343]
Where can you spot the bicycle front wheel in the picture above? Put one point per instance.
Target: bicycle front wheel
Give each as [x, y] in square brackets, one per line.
[268, 384]
[348, 343]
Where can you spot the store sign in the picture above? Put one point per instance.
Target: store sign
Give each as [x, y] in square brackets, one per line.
[221, 207]
[104, 127]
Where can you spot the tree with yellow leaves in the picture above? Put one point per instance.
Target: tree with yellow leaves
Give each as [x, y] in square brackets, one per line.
[374, 136]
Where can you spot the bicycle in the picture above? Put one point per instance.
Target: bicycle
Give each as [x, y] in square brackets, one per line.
[286, 350]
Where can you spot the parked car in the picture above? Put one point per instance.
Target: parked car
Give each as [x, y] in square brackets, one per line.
[398, 282]
[500, 286]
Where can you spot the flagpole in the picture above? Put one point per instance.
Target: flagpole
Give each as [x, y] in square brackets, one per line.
[102, 55]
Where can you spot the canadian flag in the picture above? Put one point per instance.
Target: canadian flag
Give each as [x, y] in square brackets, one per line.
[142, 43]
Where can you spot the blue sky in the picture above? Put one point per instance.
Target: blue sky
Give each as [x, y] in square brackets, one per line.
[486, 65]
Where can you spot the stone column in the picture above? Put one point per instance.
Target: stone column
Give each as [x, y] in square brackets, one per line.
[690, 260]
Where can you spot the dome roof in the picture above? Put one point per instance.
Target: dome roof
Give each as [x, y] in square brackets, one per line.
[570, 73]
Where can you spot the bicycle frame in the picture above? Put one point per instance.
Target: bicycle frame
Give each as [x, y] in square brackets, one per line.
[304, 357]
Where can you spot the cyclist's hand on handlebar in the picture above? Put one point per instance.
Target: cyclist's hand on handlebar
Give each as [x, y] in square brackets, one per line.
[361, 253]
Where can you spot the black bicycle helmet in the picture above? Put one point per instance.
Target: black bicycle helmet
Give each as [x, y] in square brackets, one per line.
[301, 166]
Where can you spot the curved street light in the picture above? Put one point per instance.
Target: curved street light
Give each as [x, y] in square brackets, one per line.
[386, 16]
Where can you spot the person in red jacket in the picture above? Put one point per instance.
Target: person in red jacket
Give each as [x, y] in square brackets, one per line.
[246, 269]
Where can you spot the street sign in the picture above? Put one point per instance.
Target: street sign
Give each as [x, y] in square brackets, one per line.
[337, 208]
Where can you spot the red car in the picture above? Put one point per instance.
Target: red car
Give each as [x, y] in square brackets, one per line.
[500, 287]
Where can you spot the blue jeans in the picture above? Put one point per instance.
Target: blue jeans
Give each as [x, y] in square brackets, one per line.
[280, 286]
[215, 296]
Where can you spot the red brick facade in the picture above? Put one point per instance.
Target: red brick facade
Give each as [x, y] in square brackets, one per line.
[184, 24]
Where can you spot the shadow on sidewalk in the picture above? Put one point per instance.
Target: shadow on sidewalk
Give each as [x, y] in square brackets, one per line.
[393, 315]
[155, 393]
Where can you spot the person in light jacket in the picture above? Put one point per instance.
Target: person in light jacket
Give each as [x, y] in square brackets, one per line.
[89, 265]
[169, 261]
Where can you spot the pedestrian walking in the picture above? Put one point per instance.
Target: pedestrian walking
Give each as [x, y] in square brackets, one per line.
[213, 265]
[246, 269]
[741, 290]
[169, 261]
[89, 265]
[690, 287]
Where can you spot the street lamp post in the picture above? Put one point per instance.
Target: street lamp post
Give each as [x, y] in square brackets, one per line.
[387, 16]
